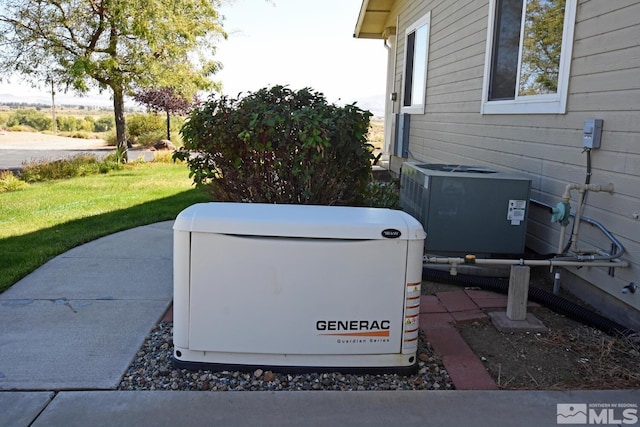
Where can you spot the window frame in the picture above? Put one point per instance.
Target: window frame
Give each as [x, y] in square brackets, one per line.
[555, 103]
[416, 108]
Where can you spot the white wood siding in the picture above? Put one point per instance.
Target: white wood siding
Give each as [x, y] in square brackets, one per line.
[604, 83]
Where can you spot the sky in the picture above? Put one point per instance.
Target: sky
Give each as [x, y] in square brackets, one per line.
[299, 43]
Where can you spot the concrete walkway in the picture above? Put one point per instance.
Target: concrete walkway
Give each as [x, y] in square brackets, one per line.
[71, 328]
[77, 322]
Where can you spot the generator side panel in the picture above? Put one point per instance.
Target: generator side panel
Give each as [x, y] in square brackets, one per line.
[265, 295]
[181, 287]
[412, 296]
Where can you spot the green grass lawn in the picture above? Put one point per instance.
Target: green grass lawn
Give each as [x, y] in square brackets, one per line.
[46, 219]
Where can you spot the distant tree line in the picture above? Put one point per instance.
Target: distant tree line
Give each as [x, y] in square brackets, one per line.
[41, 106]
[36, 120]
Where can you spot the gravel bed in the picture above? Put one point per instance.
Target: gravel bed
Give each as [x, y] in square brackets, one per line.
[152, 369]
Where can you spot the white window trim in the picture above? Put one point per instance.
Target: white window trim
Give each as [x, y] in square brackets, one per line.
[416, 108]
[555, 103]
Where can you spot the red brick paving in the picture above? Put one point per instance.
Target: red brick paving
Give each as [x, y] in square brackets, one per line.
[168, 315]
[468, 373]
[468, 316]
[446, 341]
[465, 369]
[486, 299]
[439, 313]
[430, 319]
[456, 301]
[431, 304]
[475, 294]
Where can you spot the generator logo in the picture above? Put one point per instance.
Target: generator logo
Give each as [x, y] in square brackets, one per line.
[391, 233]
[355, 331]
[597, 413]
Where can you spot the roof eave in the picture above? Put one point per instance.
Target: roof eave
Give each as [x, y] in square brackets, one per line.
[363, 12]
[372, 19]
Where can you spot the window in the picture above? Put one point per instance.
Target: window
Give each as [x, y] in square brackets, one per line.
[528, 56]
[415, 68]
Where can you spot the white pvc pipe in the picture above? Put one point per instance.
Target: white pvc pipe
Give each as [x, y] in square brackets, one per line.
[563, 230]
[586, 187]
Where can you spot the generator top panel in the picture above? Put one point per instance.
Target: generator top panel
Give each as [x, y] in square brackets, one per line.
[306, 221]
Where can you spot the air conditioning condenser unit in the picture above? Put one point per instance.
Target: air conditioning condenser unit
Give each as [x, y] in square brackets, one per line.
[467, 209]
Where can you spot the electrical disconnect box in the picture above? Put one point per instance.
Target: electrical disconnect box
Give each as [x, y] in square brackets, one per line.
[592, 133]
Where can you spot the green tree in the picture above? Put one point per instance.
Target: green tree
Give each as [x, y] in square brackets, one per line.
[31, 118]
[164, 99]
[116, 45]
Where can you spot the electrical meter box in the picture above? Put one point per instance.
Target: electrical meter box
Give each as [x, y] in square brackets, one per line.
[296, 287]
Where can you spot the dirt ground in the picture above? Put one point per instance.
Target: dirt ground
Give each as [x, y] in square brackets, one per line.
[569, 356]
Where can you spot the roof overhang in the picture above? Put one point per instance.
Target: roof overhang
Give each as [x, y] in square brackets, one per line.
[372, 20]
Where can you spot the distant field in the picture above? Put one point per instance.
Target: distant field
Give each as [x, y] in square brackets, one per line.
[376, 133]
[65, 110]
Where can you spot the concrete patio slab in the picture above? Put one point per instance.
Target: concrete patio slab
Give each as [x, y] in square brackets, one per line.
[71, 344]
[96, 279]
[77, 321]
[504, 324]
[136, 264]
[149, 241]
[320, 409]
[18, 409]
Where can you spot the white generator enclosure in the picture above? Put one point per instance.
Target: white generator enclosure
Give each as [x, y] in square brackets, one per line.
[296, 287]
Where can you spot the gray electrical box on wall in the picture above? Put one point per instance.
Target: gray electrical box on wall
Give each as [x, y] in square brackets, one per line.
[592, 133]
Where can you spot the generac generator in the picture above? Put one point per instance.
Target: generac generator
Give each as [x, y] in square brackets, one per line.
[296, 288]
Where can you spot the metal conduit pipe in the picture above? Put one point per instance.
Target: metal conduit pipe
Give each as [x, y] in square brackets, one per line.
[617, 253]
[617, 250]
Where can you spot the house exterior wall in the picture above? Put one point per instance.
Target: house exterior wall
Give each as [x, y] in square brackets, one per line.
[604, 83]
